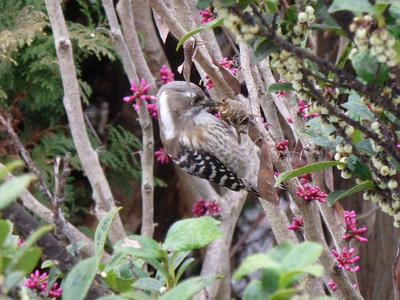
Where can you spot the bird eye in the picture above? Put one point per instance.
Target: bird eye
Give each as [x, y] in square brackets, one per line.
[196, 99]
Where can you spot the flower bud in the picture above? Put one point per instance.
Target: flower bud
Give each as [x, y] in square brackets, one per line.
[348, 148]
[302, 17]
[384, 171]
[392, 184]
[349, 131]
[345, 174]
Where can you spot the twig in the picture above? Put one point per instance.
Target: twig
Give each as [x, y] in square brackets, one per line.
[146, 125]
[88, 156]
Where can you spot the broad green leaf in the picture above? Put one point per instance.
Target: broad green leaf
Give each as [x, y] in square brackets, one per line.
[365, 146]
[79, 279]
[306, 169]
[253, 263]
[278, 252]
[366, 67]
[255, 291]
[357, 136]
[264, 49]
[270, 280]
[149, 284]
[178, 258]
[137, 295]
[319, 133]
[301, 256]
[358, 168]
[188, 288]
[355, 6]
[102, 229]
[244, 3]
[183, 268]
[112, 297]
[13, 279]
[279, 86]
[10, 190]
[192, 234]
[285, 294]
[48, 263]
[27, 245]
[209, 25]
[287, 279]
[358, 110]
[340, 194]
[28, 260]
[9, 167]
[5, 230]
[271, 6]
[139, 246]
[203, 4]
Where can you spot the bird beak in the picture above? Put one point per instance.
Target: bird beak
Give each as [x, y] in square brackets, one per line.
[209, 103]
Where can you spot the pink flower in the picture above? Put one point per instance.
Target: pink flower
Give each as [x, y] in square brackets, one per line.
[205, 208]
[38, 282]
[309, 193]
[344, 259]
[281, 146]
[19, 242]
[213, 208]
[139, 92]
[161, 156]
[304, 178]
[276, 174]
[398, 146]
[206, 16]
[296, 224]
[351, 227]
[152, 108]
[303, 109]
[227, 64]
[199, 208]
[280, 93]
[289, 120]
[166, 75]
[332, 285]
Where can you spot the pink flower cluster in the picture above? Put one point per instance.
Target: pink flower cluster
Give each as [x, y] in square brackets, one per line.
[281, 146]
[333, 287]
[161, 156]
[303, 109]
[205, 208]
[351, 227]
[140, 93]
[289, 120]
[297, 224]
[38, 282]
[206, 16]
[305, 178]
[344, 259]
[309, 193]
[227, 64]
[166, 75]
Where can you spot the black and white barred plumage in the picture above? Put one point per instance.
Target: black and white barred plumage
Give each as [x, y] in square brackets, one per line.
[200, 143]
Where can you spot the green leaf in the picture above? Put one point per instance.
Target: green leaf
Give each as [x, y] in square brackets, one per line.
[301, 256]
[366, 67]
[285, 294]
[54, 274]
[188, 288]
[203, 4]
[306, 169]
[358, 168]
[264, 49]
[357, 136]
[79, 246]
[137, 295]
[183, 268]
[79, 279]
[358, 110]
[139, 246]
[319, 133]
[288, 278]
[102, 229]
[112, 297]
[355, 6]
[340, 194]
[20, 253]
[279, 86]
[149, 284]
[365, 146]
[5, 230]
[270, 280]
[192, 234]
[209, 25]
[271, 6]
[9, 167]
[10, 190]
[253, 263]
[255, 291]
[244, 3]
[280, 251]
[29, 260]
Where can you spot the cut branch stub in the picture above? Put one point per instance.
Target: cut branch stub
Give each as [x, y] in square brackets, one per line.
[266, 178]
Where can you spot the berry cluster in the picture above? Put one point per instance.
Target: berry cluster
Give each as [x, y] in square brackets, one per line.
[205, 208]
[282, 146]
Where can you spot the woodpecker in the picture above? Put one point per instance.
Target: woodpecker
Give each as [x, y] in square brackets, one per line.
[202, 144]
